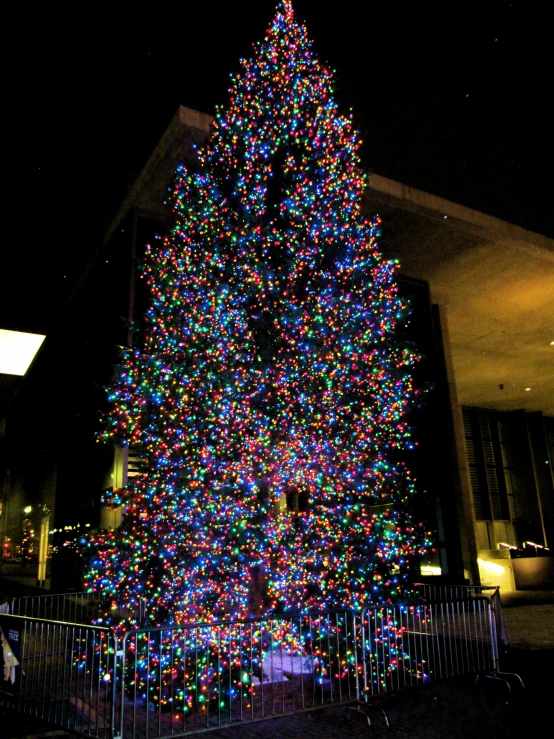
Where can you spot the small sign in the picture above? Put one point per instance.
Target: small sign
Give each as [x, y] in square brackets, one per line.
[10, 656]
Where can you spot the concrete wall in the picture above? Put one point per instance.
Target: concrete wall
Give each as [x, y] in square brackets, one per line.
[533, 573]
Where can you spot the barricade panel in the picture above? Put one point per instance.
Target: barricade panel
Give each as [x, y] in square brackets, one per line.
[409, 645]
[189, 678]
[64, 674]
[180, 679]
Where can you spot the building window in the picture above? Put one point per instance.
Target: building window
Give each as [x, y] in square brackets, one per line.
[486, 471]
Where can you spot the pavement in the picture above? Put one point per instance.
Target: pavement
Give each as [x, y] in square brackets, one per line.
[444, 711]
[529, 619]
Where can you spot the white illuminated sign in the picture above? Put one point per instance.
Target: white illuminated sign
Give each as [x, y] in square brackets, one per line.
[17, 351]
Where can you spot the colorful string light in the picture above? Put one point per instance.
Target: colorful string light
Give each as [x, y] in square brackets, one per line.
[268, 400]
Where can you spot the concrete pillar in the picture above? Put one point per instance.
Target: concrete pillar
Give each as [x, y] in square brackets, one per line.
[460, 478]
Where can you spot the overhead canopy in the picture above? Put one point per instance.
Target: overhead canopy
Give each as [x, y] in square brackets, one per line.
[495, 280]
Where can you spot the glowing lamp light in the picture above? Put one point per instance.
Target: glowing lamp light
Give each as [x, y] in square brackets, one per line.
[490, 566]
[17, 351]
[427, 570]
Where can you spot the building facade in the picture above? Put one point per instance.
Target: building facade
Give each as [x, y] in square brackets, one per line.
[482, 295]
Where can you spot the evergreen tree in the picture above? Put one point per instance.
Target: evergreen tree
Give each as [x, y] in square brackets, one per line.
[268, 401]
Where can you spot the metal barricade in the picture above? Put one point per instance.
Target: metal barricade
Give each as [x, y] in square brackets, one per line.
[455, 593]
[84, 607]
[62, 673]
[186, 679]
[70, 607]
[411, 645]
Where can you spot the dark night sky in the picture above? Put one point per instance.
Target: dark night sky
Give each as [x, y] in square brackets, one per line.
[454, 99]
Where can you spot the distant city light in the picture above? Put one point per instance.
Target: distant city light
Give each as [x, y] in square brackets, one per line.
[17, 351]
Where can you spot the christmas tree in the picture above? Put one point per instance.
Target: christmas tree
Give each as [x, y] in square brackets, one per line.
[267, 401]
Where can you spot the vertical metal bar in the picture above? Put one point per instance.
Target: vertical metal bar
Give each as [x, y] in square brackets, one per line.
[482, 640]
[494, 643]
[147, 727]
[329, 660]
[422, 643]
[139, 637]
[480, 636]
[414, 661]
[383, 682]
[251, 676]
[429, 644]
[25, 649]
[320, 653]
[374, 650]
[83, 669]
[230, 662]
[172, 670]
[389, 672]
[107, 664]
[338, 658]
[375, 659]
[363, 617]
[499, 618]
[71, 706]
[457, 627]
[354, 618]
[451, 632]
[262, 660]
[219, 677]
[453, 641]
[448, 644]
[418, 619]
[398, 644]
[196, 695]
[407, 638]
[184, 659]
[441, 652]
[467, 644]
[160, 680]
[413, 628]
[56, 641]
[96, 678]
[401, 638]
[78, 679]
[301, 641]
[46, 683]
[282, 662]
[52, 692]
[366, 652]
[311, 655]
[472, 642]
[347, 691]
[86, 705]
[39, 690]
[64, 658]
[240, 686]
[33, 682]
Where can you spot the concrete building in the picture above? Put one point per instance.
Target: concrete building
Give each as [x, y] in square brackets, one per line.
[482, 292]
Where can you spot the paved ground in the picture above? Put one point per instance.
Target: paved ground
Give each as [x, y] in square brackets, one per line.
[446, 711]
[449, 711]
